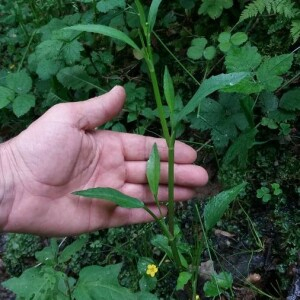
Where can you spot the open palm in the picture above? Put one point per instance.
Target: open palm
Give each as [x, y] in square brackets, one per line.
[62, 152]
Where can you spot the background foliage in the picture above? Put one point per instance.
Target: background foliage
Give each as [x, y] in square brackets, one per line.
[246, 132]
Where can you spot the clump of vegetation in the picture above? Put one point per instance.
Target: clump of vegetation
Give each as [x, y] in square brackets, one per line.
[222, 83]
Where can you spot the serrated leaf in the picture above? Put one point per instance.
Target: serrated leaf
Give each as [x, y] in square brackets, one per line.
[153, 170]
[19, 82]
[238, 38]
[169, 90]
[243, 59]
[76, 78]
[209, 86]
[290, 100]
[71, 249]
[107, 31]
[112, 195]
[269, 71]
[239, 149]
[6, 96]
[153, 13]
[217, 205]
[22, 104]
[47, 68]
[49, 50]
[71, 52]
[268, 102]
[105, 6]
[182, 280]
[27, 284]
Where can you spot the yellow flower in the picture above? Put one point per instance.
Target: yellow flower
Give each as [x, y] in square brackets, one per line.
[197, 297]
[151, 270]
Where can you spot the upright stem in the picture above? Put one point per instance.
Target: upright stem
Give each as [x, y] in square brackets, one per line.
[158, 101]
[171, 206]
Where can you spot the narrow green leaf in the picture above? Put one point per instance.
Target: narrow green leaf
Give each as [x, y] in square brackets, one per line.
[153, 170]
[182, 280]
[216, 207]
[169, 90]
[209, 86]
[109, 194]
[142, 17]
[71, 249]
[153, 13]
[105, 30]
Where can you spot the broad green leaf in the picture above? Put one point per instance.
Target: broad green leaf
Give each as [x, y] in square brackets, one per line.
[209, 86]
[76, 78]
[39, 283]
[268, 102]
[243, 59]
[239, 38]
[147, 283]
[101, 283]
[22, 104]
[290, 100]
[143, 263]
[218, 284]
[209, 53]
[161, 242]
[71, 249]
[153, 13]
[153, 170]
[48, 254]
[71, 52]
[20, 82]
[169, 90]
[194, 52]
[269, 71]
[47, 68]
[105, 30]
[217, 205]
[239, 149]
[105, 6]
[182, 280]
[112, 195]
[6, 96]
[224, 37]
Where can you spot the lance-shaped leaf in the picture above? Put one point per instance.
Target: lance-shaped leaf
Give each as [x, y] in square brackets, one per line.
[107, 31]
[216, 207]
[153, 13]
[209, 86]
[169, 90]
[142, 17]
[111, 195]
[153, 170]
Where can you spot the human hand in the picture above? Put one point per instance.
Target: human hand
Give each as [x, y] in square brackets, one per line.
[62, 152]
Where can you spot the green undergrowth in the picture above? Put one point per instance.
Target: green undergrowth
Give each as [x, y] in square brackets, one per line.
[246, 131]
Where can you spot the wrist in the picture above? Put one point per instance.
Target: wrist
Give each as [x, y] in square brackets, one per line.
[7, 184]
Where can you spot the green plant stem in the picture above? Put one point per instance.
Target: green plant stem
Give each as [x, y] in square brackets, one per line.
[158, 100]
[170, 237]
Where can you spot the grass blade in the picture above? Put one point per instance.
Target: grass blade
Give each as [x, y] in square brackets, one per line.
[107, 31]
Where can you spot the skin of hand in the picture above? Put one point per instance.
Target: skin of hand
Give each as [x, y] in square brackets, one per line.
[62, 152]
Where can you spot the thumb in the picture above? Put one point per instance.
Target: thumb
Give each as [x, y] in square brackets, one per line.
[99, 110]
